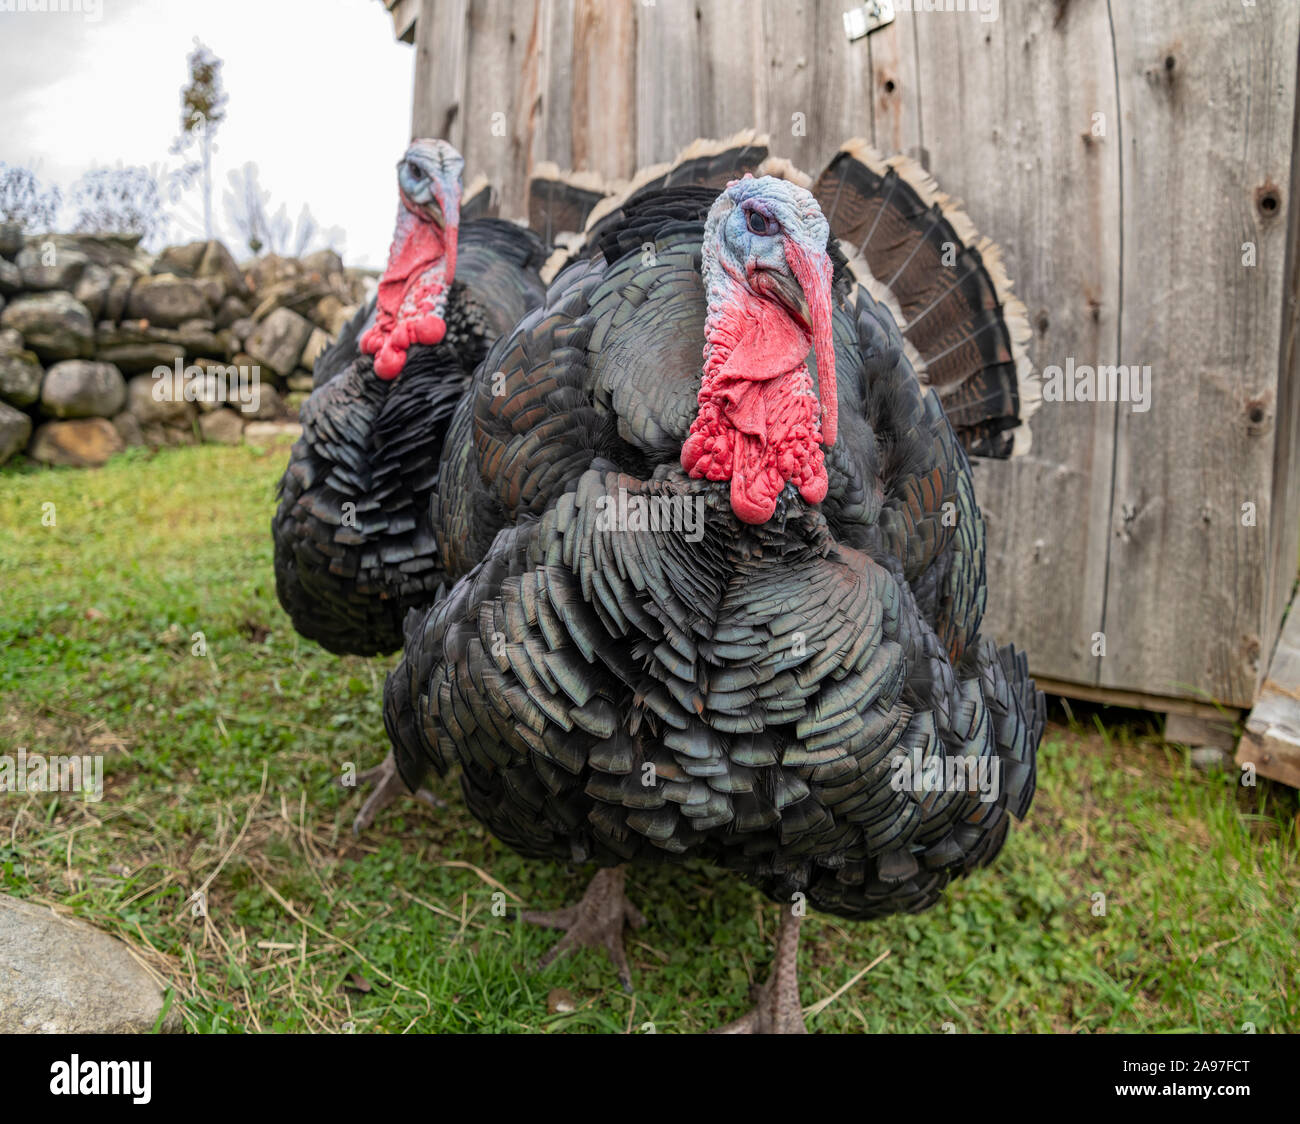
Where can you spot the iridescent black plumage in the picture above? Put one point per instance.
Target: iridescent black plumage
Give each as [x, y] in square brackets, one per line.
[629, 695]
[353, 547]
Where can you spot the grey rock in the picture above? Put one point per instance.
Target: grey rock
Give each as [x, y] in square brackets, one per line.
[82, 443]
[20, 373]
[242, 328]
[167, 301]
[11, 239]
[199, 337]
[231, 311]
[128, 429]
[279, 340]
[47, 266]
[300, 382]
[270, 405]
[324, 263]
[135, 346]
[221, 427]
[183, 261]
[15, 429]
[218, 265]
[118, 292]
[82, 388]
[265, 433]
[149, 410]
[62, 976]
[54, 325]
[92, 289]
[317, 342]
[11, 278]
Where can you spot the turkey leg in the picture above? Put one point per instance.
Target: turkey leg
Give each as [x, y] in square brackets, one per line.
[597, 921]
[777, 1010]
[388, 787]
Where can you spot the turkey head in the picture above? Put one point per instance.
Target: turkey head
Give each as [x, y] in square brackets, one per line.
[422, 261]
[768, 280]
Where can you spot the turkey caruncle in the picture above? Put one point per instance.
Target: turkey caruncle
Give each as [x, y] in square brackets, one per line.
[760, 697]
[354, 551]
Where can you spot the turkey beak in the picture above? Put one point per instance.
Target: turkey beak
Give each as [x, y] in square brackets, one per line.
[813, 272]
[447, 196]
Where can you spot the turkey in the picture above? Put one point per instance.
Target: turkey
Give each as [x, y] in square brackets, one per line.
[719, 568]
[354, 550]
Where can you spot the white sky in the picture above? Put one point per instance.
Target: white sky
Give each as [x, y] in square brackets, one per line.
[319, 98]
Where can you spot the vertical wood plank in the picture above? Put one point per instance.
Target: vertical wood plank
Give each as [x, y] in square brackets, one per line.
[1208, 100]
[441, 60]
[604, 86]
[1035, 180]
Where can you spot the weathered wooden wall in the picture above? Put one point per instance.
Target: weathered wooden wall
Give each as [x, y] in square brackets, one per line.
[1122, 154]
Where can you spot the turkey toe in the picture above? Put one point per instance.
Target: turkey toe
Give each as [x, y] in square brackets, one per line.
[597, 921]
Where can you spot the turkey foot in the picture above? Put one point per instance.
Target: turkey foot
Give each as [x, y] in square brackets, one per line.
[388, 787]
[777, 1010]
[595, 922]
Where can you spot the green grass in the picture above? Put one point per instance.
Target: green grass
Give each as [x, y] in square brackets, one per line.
[221, 773]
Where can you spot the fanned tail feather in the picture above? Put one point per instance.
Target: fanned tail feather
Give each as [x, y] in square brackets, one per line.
[920, 254]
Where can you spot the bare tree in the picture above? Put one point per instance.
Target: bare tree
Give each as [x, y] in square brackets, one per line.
[247, 206]
[120, 200]
[23, 200]
[203, 108]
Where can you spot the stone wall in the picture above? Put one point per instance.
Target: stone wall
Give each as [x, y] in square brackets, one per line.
[86, 321]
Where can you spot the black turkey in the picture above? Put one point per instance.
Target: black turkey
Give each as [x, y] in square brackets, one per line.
[354, 551]
[731, 609]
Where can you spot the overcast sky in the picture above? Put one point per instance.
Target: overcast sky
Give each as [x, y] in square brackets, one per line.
[319, 98]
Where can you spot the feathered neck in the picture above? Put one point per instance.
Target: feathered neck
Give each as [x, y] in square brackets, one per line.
[412, 303]
[759, 420]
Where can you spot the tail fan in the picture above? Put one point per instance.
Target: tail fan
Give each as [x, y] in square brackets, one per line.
[479, 200]
[702, 163]
[917, 251]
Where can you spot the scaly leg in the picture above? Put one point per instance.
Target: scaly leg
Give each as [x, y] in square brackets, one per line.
[388, 787]
[777, 1010]
[595, 922]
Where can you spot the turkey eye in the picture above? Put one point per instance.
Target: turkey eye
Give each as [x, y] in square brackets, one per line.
[757, 223]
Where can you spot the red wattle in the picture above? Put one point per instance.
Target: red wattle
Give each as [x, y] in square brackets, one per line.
[411, 292]
[757, 424]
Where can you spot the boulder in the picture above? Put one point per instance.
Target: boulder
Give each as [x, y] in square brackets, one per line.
[317, 342]
[242, 328]
[269, 403]
[20, 373]
[11, 239]
[128, 429]
[46, 266]
[82, 388]
[62, 976]
[200, 337]
[54, 325]
[11, 278]
[265, 433]
[323, 263]
[221, 427]
[149, 411]
[231, 311]
[300, 382]
[183, 261]
[15, 428]
[217, 264]
[118, 292]
[135, 346]
[167, 301]
[279, 340]
[271, 270]
[92, 289]
[83, 443]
